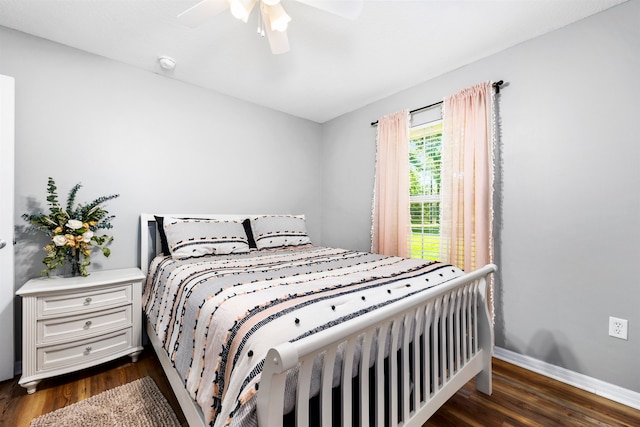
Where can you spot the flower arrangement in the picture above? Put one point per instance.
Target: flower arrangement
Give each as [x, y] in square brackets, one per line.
[72, 230]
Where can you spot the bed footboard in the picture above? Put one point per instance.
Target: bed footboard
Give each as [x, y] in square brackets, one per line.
[424, 350]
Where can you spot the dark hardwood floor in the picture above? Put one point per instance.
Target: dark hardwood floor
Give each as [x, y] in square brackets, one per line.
[18, 408]
[520, 398]
[523, 398]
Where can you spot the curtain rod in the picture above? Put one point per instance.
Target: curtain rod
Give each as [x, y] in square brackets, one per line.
[496, 85]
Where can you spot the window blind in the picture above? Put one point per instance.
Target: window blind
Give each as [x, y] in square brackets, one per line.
[425, 155]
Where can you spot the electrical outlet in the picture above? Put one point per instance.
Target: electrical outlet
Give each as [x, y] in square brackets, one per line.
[618, 328]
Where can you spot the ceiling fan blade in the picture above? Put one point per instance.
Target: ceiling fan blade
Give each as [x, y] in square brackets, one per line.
[201, 12]
[278, 40]
[349, 9]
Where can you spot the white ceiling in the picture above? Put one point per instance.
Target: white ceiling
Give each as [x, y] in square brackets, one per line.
[334, 65]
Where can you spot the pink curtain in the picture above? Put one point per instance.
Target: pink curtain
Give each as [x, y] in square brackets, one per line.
[391, 222]
[467, 178]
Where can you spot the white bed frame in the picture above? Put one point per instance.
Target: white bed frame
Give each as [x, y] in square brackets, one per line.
[453, 317]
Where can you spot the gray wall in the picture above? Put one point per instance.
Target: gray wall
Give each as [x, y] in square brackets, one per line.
[569, 214]
[164, 146]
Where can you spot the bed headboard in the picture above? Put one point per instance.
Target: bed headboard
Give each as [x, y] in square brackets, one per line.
[150, 237]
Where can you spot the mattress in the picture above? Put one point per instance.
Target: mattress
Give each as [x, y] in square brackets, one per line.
[217, 316]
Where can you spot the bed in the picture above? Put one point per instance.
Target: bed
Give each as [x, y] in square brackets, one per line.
[254, 325]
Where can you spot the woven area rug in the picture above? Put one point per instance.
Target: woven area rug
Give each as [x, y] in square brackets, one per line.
[138, 403]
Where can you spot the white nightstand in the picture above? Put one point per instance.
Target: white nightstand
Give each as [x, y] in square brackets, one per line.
[73, 323]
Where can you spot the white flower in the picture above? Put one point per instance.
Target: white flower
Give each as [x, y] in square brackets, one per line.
[59, 240]
[86, 236]
[74, 224]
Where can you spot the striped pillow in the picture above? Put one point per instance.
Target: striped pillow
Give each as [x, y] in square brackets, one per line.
[274, 231]
[193, 237]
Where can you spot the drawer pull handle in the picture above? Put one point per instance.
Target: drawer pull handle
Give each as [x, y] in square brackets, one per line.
[87, 301]
[87, 350]
[87, 324]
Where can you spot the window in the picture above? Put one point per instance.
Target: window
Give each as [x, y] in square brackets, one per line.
[425, 154]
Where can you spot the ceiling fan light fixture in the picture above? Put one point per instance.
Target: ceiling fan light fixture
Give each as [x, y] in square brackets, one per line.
[278, 18]
[241, 9]
[272, 18]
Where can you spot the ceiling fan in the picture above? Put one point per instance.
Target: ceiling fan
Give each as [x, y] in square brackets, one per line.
[272, 19]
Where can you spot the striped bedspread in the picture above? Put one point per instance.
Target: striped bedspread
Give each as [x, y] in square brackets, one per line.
[217, 316]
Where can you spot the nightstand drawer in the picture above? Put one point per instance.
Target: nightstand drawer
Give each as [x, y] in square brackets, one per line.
[65, 329]
[83, 301]
[72, 323]
[80, 352]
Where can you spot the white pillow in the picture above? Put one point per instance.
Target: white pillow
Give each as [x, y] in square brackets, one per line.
[274, 231]
[192, 237]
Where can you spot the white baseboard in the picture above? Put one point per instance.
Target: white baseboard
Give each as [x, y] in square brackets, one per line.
[584, 382]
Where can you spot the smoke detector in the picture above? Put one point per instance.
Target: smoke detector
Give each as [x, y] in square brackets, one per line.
[167, 63]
